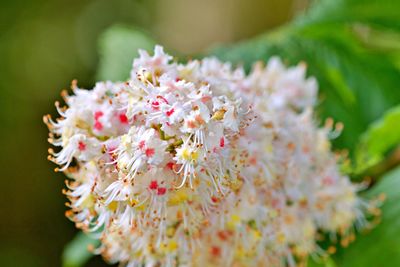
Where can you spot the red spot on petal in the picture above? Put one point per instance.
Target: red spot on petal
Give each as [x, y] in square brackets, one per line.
[81, 146]
[163, 99]
[215, 251]
[161, 191]
[214, 199]
[141, 144]
[98, 114]
[170, 165]
[170, 112]
[223, 235]
[153, 185]
[205, 99]
[253, 160]
[111, 149]
[123, 118]
[222, 142]
[149, 152]
[327, 180]
[155, 105]
[275, 203]
[98, 126]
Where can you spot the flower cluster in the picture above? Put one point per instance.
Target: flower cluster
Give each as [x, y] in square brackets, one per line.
[199, 164]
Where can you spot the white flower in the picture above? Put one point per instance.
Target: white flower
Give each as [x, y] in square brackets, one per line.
[139, 148]
[79, 146]
[230, 110]
[188, 155]
[200, 165]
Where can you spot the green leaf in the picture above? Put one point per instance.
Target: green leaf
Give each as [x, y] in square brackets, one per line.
[76, 253]
[374, 12]
[381, 246]
[118, 46]
[327, 262]
[380, 137]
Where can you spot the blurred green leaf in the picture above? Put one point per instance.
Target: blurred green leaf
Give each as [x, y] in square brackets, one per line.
[358, 83]
[76, 253]
[380, 137]
[380, 247]
[327, 262]
[374, 12]
[118, 46]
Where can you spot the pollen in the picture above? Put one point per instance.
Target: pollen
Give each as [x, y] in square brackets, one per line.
[113, 206]
[218, 115]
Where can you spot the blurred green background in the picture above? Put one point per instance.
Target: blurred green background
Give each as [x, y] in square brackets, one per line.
[44, 45]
